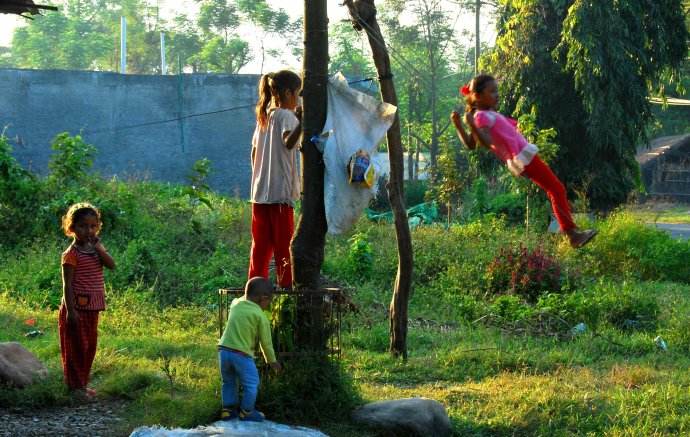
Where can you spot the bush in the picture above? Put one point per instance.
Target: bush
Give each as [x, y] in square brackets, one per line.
[523, 272]
[626, 247]
[509, 205]
[414, 192]
[360, 257]
[310, 389]
[71, 161]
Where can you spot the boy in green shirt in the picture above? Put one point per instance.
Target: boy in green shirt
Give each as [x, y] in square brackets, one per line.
[246, 323]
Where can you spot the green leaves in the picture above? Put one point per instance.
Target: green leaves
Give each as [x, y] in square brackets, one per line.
[591, 67]
[72, 159]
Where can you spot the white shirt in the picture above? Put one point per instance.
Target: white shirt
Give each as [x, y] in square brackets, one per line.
[275, 173]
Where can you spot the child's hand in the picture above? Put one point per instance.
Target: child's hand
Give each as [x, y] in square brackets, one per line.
[298, 113]
[276, 367]
[455, 117]
[98, 245]
[72, 317]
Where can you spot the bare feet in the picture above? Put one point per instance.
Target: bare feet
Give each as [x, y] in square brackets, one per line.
[580, 238]
[86, 394]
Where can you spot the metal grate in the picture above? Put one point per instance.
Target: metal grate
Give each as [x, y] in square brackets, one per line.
[284, 318]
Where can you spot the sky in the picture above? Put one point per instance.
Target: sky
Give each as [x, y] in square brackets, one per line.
[336, 12]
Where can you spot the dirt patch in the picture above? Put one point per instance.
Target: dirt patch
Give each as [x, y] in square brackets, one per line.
[98, 418]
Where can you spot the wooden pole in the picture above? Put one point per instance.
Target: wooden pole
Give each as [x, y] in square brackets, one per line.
[363, 13]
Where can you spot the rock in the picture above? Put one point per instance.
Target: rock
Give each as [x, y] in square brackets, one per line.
[231, 428]
[409, 417]
[18, 366]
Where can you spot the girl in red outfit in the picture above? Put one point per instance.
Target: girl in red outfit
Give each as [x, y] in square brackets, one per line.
[83, 294]
[500, 134]
[275, 178]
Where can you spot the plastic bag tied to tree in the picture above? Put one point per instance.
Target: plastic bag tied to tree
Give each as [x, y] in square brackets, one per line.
[356, 123]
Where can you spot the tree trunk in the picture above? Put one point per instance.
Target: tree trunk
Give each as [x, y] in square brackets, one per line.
[307, 247]
[363, 13]
[410, 110]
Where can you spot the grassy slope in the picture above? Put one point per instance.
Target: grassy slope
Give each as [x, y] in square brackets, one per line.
[492, 383]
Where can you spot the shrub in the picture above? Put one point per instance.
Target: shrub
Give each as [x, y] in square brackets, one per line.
[626, 247]
[510, 205]
[324, 390]
[360, 257]
[524, 272]
[19, 192]
[72, 159]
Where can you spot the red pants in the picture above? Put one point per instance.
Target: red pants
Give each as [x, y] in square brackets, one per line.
[272, 227]
[541, 174]
[78, 346]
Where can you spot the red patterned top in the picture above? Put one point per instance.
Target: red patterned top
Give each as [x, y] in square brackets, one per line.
[87, 283]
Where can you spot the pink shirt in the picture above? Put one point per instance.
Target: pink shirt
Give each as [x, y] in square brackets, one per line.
[507, 141]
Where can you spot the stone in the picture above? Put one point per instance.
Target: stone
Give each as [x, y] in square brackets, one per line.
[18, 366]
[231, 428]
[408, 417]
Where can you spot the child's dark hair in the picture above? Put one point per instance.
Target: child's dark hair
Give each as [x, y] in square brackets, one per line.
[258, 287]
[274, 85]
[77, 212]
[477, 85]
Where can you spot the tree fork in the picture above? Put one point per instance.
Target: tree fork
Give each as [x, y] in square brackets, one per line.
[363, 13]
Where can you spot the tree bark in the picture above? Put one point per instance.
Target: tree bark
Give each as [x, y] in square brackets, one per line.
[307, 247]
[363, 13]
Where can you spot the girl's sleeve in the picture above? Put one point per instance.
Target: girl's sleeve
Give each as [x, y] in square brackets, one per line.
[288, 121]
[484, 119]
[69, 258]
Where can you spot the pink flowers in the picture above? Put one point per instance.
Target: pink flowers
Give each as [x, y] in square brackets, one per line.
[465, 90]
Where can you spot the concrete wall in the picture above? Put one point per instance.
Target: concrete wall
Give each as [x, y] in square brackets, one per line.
[35, 105]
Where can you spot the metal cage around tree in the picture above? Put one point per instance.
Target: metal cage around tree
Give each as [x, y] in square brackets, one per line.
[303, 322]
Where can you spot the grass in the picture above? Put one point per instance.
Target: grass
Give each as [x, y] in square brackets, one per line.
[157, 338]
[610, 382]
[662, 213]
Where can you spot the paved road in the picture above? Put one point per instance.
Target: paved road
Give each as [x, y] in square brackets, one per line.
[676, 231]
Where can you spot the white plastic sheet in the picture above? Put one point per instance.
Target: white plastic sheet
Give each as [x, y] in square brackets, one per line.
[355, 121]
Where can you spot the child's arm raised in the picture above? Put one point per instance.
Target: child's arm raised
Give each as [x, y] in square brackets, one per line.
[106, 259]
[467, 139]
[290, 137]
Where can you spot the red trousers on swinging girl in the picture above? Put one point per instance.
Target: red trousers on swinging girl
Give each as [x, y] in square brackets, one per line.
[541, 174]
[272, 228]
[77, 346]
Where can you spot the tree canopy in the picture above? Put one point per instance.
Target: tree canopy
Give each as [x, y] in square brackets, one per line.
[588, 68]
[84, 35]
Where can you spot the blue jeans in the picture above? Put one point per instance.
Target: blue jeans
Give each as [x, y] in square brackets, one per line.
[236, 367]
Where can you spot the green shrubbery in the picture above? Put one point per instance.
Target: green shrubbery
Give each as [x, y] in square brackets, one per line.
[627, 248]
[166, 240]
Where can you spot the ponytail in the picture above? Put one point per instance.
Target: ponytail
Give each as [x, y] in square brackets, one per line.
[274, 86]
[264, 100]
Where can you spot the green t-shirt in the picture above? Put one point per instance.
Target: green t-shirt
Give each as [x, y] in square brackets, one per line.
[246, 323]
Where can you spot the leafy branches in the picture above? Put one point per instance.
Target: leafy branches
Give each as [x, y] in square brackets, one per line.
[588, 67]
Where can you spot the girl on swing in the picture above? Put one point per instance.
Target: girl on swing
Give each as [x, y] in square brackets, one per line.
[500, 134]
